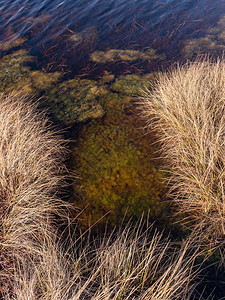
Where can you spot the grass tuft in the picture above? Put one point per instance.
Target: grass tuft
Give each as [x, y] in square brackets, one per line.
[186, 108]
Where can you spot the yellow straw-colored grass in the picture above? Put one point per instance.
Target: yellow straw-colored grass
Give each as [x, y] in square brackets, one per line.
[35, 263]
[186, 108]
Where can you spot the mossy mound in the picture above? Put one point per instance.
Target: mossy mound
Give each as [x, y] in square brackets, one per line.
[127, 55]
[115, 169]
[70, 101]
[130, 85]
[75, 100]
[16, 75]
[13, 71]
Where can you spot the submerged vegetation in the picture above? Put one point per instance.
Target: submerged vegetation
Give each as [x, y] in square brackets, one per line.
[211, 43]
[16, 75]
[114, 162]
[128, 55]
[75, 100]
[70, 101]
[116, 170]
[118, 173]
[87, 37]
[13, 41]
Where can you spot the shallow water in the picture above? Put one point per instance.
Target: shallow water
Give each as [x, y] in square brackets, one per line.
[100, 25]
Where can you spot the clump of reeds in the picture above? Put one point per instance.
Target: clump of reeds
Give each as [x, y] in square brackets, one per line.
[186, 108]
[35, 264]
[137, 265]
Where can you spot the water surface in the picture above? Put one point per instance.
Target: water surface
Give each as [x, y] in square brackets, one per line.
[113, 24]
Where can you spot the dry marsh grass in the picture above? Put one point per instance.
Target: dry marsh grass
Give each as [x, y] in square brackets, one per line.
[129, 265]
[31, 171]
[34, 263]
[186, 108]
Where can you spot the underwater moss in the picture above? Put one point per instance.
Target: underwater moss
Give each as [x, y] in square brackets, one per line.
[42, 19]
[14, 72]
[129, 55]
[88, 36]
[16, 75]
[131, 85]
[115, 170]
[212, 42]
[43, 81]
[75, 100]
[12, 41]
[70, 101]
[202, 45]
[107, 78]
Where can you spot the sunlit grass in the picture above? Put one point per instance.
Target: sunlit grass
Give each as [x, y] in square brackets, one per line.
[186, 108]
[35, 264]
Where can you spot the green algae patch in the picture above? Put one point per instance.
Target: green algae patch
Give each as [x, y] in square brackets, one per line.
[114, 162]
[127, 55]
[107, 78]
[14, 72]
[116, 171]
[42, 81]
[16, 75]
[13, 40]
[123, 91]
[69, 101]
[218, 31]
[75, 100]
[130, 85]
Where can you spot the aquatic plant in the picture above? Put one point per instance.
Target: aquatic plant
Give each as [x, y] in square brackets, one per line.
[87, 37]
[14, 71]
[187, 111]
[130, 55]
[16, 75]
[218, 31]
[107, 77]
[115, 168]
[211, 43]
[203, 45]
[12, 41]
[75, 100]
[70, 101]
[131, 85]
